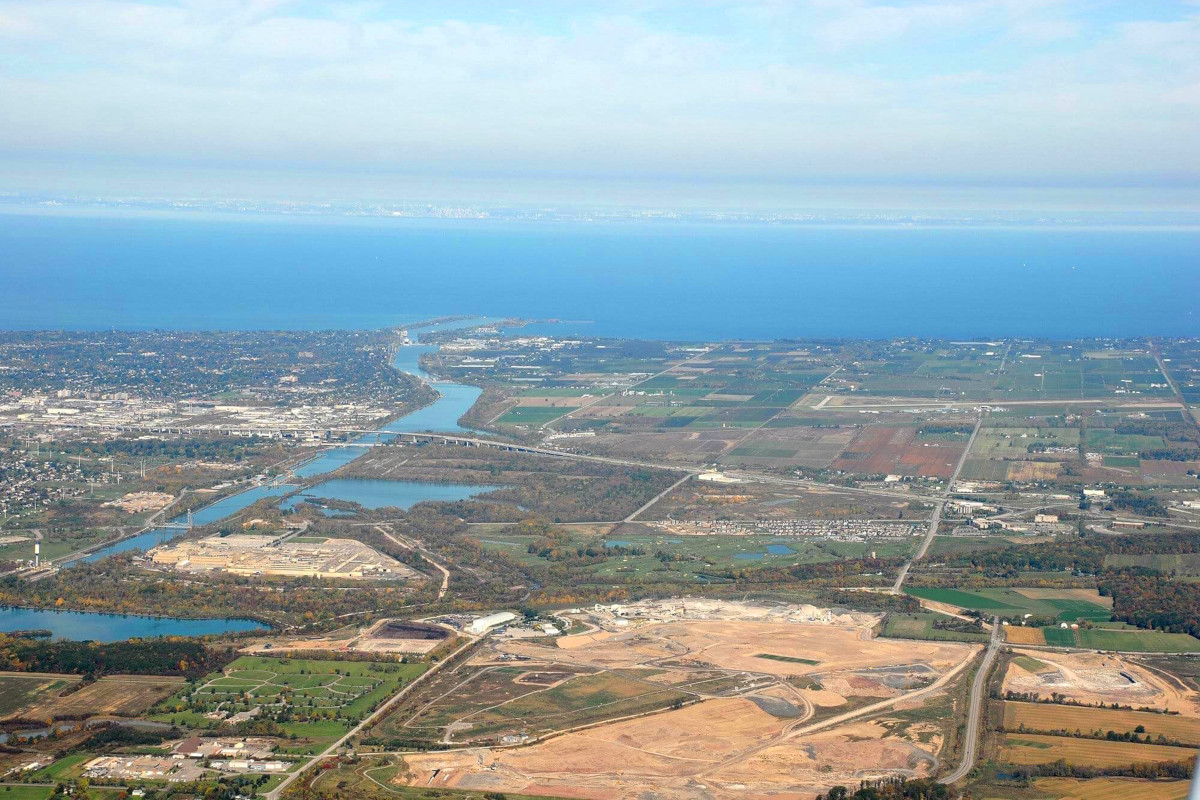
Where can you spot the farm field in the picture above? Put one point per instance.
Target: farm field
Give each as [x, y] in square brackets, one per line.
[1183, 565]
[897, 451]
[317, 700]
[1124, 640]
[1066, 604]
[1055, 717]
[1017, 634]
[20, 690]
[754, 500]
[1029, 748]
[921, 626]
[1112, 789]
[115, 695]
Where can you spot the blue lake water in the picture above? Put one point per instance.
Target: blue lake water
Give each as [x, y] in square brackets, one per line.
[371, 493]
[668, 281]
[772, 550]
[115, 627]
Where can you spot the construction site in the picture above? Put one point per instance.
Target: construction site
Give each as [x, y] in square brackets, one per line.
[687, 698]
[250, 554]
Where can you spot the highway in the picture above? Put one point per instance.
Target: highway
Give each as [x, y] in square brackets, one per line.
[975, 708]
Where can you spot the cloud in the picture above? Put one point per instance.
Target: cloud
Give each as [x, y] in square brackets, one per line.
[1020, 90]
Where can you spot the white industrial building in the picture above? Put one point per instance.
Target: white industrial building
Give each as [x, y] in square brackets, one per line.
[484, 624]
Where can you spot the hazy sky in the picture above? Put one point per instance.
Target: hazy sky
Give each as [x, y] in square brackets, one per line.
[991, 92]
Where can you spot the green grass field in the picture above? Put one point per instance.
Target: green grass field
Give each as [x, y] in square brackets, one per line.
[920, 626]
[1060, 637]
[317, 700]
[68, 766]
[1126, 640]
[1068, 607]
[1153, 641]
[789, 659]
[532, 415]
[26, 792]
[1028, 663]
[1184, 565]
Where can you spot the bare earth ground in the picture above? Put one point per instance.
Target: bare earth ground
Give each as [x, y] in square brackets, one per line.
[727, 746]
[363, 640]
[1092, 678]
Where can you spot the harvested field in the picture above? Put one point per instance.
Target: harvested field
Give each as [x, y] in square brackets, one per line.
[685, 447]
[21, 690]
[1090, 596]
[1053, 717]
[894, 450]
[791, 446]
[119, 696]
[1112, 789]
[750, 500]
[1032, 470]
[1017, 634]
[1091, 679]
[1030, 748]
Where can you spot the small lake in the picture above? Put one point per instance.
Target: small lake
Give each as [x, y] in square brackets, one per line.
[101, 627]
[772, 550]
[376, 493]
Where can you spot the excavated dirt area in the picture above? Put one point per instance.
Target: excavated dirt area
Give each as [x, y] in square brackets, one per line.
[1092, 678]
[725, 744]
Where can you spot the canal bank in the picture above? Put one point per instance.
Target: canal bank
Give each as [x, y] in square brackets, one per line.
[442, 415]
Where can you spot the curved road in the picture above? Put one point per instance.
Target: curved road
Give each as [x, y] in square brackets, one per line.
[975, 708]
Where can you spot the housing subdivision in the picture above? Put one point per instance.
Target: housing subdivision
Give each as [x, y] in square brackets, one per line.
[840, 529]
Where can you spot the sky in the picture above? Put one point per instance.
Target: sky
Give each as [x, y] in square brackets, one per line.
[276, 97]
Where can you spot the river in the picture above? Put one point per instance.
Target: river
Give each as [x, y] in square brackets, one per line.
[442, 415]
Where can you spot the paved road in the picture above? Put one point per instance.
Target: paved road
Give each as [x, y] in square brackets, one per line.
[369, 720]
[657, 497]
[413, 544]
[938, 506]
[975, 708]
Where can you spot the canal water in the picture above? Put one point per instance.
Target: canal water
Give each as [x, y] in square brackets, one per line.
[101, 627]
[442, 415]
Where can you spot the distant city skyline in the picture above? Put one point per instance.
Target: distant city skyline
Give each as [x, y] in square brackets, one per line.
[836, 103]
